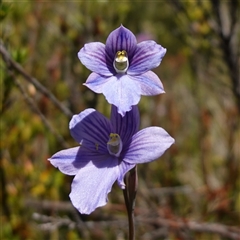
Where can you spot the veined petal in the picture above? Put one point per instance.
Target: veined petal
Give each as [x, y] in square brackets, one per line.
[69, 161]
[93, 56]
[121, 39]
[125, 126]
[92, 184]
[96, 82]
[122, 92]
[148, 145]
[124, 167]
[148, 55]
[64, 160]
[91, 129]
[150, 83]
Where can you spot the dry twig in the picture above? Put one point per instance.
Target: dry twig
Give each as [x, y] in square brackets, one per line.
[165, 225]
[43, 118]
[177, 225]
[11, 64]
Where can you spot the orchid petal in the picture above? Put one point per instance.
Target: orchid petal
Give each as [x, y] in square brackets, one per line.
[148, 145]
[69, 161]
[95, 82]
[64, 160]
[91, 129]
[92, 184]
[124, 167]
[150, 83]
[120, 39]
[148, 55]
[125, 126]
[92, 55]
[122, 92]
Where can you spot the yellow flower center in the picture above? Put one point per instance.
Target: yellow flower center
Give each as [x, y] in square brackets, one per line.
[114, 144]
[121, 62]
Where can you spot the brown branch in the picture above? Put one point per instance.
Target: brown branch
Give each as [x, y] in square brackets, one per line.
[11, 64]
[214, 228]
[60, 206]
[231, 54]
[35, 109]
[175, 225]
[50, 205]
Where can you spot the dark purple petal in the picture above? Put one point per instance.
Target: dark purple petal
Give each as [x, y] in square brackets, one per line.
[122, 92]
[92, 184]
[118, 40]
[148, 145]
[95, 82]
[148, 55]
[125, 126]
[93, 56]
[124, 167]
[91, 129]
[150, 83]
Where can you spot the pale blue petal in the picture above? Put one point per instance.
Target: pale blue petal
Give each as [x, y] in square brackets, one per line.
[63, 160]
[93, 56]
[96, 82]
[92, 184]
[148, 55]
[148, 145]
[150, 83]
[91, 129]
[121, 39]
[124, 167]
[122, 92]
[70, 161]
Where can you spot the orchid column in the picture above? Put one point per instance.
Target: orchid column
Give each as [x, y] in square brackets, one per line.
[109, 149]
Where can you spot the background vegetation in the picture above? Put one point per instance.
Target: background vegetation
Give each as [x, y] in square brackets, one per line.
[192, 192]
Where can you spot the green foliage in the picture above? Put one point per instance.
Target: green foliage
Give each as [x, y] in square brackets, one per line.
[4, 10]
[199, 110]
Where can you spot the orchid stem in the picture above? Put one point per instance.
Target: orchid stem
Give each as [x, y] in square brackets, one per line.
[129, 193]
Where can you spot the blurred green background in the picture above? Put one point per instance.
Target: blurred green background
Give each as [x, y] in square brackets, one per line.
[197, 179]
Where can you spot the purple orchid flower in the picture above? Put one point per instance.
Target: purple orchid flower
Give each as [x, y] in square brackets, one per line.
[108, 150]
[121, 68]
